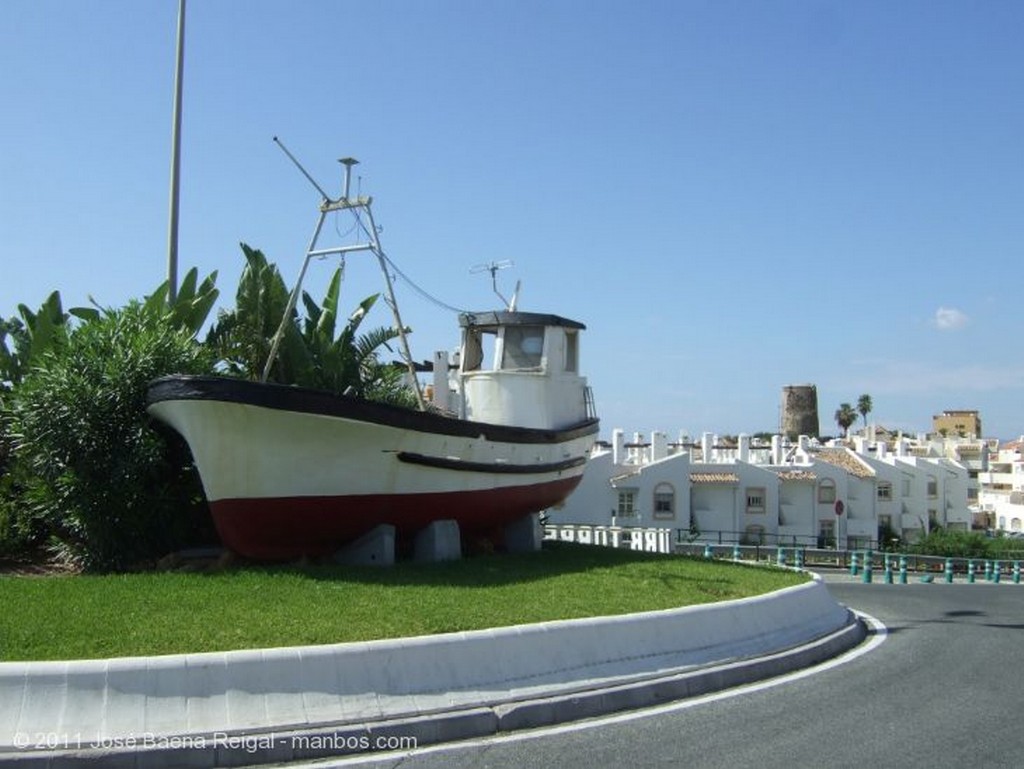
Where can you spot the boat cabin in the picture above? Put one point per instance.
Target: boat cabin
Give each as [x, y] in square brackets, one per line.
[522, 368]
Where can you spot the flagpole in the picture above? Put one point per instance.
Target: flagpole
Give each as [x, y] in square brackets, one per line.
[172, 229]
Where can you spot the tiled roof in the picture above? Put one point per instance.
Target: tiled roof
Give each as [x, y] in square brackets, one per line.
[847, 461]
[714, 478]
[796, 475]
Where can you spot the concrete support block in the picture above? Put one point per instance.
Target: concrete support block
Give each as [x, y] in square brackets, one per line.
[375, 548]
[440, 541]
[526, 534]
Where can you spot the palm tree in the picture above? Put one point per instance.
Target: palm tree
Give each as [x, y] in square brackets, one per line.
[864, 407]
[845, 416]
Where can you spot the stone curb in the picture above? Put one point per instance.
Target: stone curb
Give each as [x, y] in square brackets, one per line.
[235, 708]
[207, 751]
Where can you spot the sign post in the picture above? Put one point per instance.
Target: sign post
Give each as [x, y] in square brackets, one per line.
[839, 508]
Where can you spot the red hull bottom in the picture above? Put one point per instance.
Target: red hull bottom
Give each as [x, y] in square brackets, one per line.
[285, 528]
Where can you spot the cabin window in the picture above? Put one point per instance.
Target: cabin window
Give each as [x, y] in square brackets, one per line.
[477, 349]
[933, 487]
[884, 491]
[572, 342]
[472, 350]
[523, 347]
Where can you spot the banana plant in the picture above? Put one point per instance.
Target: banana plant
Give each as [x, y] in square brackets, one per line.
[31, 336]
[192, 304]
[313, 352]
[242, 336]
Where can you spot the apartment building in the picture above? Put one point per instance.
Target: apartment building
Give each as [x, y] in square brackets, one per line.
[791, 492]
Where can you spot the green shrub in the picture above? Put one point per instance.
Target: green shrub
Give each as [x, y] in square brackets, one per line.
[109, 488]
[953, 544]
[1008, 548]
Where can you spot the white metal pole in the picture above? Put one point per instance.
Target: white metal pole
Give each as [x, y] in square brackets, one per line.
[172, 228]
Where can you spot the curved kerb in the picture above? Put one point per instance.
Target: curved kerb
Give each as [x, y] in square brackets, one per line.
[272, 705]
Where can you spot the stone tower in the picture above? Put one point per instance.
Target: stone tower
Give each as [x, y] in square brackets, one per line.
[799, 411]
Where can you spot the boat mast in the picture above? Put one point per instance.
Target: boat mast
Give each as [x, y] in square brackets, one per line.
[358, 204]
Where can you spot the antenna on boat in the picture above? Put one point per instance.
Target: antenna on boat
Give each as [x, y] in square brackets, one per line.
[493, 267]
[355, 205]
[305, 173]
[348, 163]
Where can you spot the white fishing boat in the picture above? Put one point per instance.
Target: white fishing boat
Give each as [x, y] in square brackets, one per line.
[290, 471]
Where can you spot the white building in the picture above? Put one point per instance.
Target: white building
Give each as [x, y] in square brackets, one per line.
[1001, 488]
[801, 493]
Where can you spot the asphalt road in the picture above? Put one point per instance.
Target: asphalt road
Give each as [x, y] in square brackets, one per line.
[945, 688]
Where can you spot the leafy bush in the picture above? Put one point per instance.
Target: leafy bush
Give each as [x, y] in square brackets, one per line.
[1010, 548]
[953, 544]
[107, 486]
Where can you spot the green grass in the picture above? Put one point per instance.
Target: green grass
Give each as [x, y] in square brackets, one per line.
[98, 616]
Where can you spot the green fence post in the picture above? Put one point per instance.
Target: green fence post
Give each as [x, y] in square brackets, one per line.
[1016, 572]
[903, 570]
[949, 570]
[996, 568]
[970, 571]
[853, 563]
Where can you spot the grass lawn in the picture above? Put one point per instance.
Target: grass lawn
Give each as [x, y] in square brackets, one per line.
[97, 616]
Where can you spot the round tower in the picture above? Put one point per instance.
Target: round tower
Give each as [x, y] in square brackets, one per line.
[799, 411]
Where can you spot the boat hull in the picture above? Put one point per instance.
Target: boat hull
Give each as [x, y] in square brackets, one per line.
[291, 472]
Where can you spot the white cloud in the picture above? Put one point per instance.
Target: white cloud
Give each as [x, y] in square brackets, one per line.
[949, 319]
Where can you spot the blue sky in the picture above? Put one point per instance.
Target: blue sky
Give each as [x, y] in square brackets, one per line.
[733, 196]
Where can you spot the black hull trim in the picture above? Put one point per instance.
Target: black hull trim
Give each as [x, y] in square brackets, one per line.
[489, 467]
[308, 401]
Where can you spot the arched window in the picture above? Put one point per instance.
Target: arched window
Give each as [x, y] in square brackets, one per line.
[664, 501]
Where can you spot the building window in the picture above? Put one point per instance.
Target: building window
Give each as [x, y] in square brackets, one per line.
[826, 533]
[933, 487]
[664, 501]
[827, 491]
[885, 491]
[753, 535]
[905, 487]
[627, 503]
[755, 500]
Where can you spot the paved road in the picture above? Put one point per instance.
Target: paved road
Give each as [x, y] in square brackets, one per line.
[944, 689]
